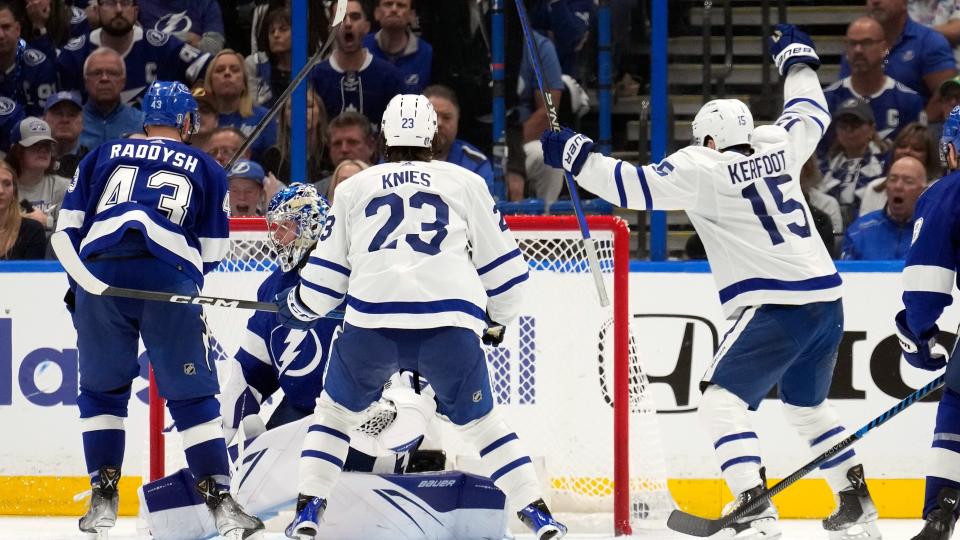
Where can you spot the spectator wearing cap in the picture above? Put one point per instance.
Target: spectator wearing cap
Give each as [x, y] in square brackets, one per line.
[196, 22]
[31, 156]
[64, 115]
[919, 57]
[856, 158]
[887, 233]
[894, 105]
[397, 44]
[106, 116]
[448, 146]
[246, 189]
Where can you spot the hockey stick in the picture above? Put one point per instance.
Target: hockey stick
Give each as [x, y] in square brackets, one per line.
[697, 526]
[588, 243]
[338, 16]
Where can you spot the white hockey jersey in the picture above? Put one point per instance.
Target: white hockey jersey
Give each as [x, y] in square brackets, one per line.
[415, 245]
[749, 211]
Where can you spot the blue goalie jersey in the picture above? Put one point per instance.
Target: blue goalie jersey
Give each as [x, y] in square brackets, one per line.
[174, 194]
[273, 357]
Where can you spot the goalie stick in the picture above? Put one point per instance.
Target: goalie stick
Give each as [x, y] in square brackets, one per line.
[692, 525]
[338, 15]
[588, 243]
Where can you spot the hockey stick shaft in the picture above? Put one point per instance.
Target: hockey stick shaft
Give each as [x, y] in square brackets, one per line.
[697, 526]
[304, 71]
[588, 243]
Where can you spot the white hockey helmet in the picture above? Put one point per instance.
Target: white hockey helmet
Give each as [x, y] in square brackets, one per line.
[409, 120]
[727, 121]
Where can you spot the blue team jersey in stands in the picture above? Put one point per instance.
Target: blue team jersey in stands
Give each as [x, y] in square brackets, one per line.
[152, 56]
[366, 91]
[293, 360]
[894, 106]
[876, 237]
[467, 156]
[174, 194]
[11, 113]
[248, 124]
[930, 270]
[413, 62]
[31, 81]
[567, 23]
[178, 16]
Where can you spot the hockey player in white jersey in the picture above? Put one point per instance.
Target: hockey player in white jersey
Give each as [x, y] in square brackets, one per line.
[427, 266]
[740, 188]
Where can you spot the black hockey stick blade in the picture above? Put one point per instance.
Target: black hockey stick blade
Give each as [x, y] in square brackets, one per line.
[692, 525]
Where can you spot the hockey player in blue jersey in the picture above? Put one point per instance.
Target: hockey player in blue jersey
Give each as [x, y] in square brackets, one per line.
[929, 275]
[395, 247]
[150, 214]
[740, 187]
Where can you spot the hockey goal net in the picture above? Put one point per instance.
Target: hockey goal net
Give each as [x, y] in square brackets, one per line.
[567, 377]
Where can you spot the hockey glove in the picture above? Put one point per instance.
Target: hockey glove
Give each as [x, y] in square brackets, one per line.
[292, 312]
[789, 45]
[493, 335]
[917, 350]
[565, 149]
[70, 299]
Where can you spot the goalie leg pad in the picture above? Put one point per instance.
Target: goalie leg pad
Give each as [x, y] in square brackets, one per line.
[821, 428]
[201, 428]
[724, 416]
[326, 446]
[101, 420]
[503, 460]
[944, 471]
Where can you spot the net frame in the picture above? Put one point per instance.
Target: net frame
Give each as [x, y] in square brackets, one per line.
[629, 383]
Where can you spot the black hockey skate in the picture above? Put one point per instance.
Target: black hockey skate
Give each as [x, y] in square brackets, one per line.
[940, 521]
[761, 522]
[104, 500]
[856, 515]
[537, 517]
[232, 522]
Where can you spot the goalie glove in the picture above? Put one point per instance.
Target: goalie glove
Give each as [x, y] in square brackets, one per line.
[918, 350]
[292, 312]
[566, 149]
[789, 45]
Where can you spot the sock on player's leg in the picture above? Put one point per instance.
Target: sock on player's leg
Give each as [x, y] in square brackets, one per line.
[101, 420]
[201, 428]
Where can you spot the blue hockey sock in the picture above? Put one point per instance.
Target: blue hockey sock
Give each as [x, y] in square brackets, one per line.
[945, 466]
[201, 428]
[101, 421]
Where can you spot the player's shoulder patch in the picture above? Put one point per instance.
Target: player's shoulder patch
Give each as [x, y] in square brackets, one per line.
[33, 57]
[156, 37]
[75, 44]
[7, 106]
[77, 15]
[475, 155]
[916, 230]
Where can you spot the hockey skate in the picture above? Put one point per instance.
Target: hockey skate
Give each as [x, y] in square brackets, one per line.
[537, 517]
[232, 522]
[761, 522]
[307, 521]
[104, 500]
[940, 521]
[856, 515]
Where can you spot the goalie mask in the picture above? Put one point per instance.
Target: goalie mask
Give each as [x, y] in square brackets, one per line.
[295, 217]
[727, 121]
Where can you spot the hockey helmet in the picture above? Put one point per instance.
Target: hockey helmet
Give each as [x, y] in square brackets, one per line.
[727, 121]
[169, 103]
[295, 217]
[409, 120]
[950, 134]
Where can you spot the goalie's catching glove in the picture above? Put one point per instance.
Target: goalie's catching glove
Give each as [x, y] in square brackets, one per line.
[292, 312]
[565, 149]
[917, 350]
[789, 45]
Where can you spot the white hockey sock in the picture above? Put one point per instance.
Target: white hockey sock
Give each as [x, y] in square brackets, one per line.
[821, 428]
[503, 460]
[325, 447]
[724, 415]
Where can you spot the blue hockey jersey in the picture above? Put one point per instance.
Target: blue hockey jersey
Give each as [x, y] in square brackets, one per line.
[152, 55]
[174, 194]
[30, 81]
[273, 357]
[180, 16]
[11, 113]
[366, 91]
[413, 63]
[930, 270]
[894, 106]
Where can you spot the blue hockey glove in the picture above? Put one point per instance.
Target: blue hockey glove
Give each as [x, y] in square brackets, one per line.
[789, 45]
[917, 350]
[565, 149]
[292, 312]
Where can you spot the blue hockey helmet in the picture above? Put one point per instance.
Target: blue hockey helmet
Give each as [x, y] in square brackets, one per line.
[950, 134]
[169, 103]
[295, 218]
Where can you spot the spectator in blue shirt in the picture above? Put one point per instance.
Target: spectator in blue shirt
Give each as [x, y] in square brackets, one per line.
[920, 58]
[567, 23]
[106, 116]
[448, 146]
[886, 234]
[197, 22]
[396, 43]
[227, 85]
